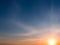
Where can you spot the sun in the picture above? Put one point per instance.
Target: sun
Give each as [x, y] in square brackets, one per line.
[52, 41]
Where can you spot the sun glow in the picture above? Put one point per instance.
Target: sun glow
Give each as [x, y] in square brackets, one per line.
[52, 42]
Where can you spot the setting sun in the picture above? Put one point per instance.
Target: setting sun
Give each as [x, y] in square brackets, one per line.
[52, 42]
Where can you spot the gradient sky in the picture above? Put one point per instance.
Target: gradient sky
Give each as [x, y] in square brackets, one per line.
[27, 22]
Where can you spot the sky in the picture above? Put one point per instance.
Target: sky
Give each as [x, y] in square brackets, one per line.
[29, 22]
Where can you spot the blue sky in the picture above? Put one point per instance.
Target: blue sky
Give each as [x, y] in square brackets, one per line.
[29, 19]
